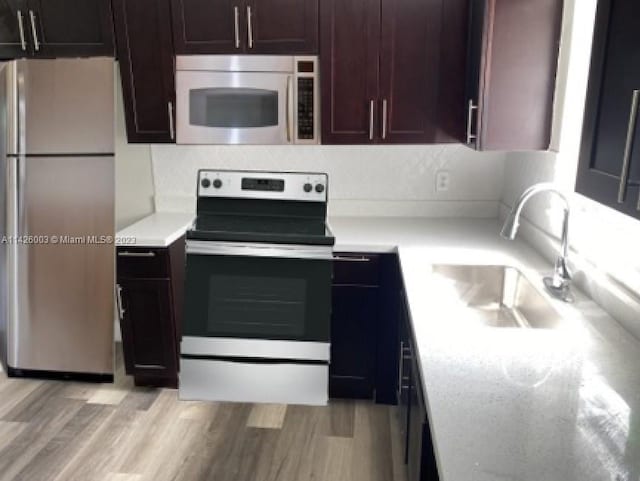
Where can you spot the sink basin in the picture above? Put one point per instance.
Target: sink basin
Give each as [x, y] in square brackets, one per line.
[497, 296]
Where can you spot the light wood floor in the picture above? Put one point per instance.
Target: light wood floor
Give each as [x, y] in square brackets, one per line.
[59, 431]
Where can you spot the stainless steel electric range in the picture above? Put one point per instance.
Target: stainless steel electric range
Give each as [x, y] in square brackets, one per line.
[258, 289]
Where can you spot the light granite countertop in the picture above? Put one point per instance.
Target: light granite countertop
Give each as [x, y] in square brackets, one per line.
[508, 404]
[156, 230]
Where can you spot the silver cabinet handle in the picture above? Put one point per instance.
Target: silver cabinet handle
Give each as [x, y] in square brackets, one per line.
[628, 146]
[384, 119]
[289, 106]
[172, 131]
[119, 302]
[470, 136]
[36, 42]
[249, 27]
[371, 107]
[400, 368]
[236, 20]
[23, 42]
[351, 259]
[136, 254]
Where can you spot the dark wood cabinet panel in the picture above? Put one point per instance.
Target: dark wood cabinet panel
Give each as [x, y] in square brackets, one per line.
[151, 303]
[609, 170]
[393, 71]
[349, 51]
[422, 70]
[208, 26]
[71, 28]
[353, 341]
[13, 18]
[512, 73]
[282, 26]
[147, 69]
[148, 333]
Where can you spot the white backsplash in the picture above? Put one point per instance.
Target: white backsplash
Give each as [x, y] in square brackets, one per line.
[363, 180]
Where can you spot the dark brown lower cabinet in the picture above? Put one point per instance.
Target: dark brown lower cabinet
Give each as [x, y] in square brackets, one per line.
[150, 300]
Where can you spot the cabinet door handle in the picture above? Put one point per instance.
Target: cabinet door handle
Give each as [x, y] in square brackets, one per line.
[36, 42]
[23, 42]
[400, 368]
[119, 302]
[384, 119]
[351, 259]
[249, 27]
[172, 131]
[236, 21]
[136, 254]
[371, 107]
[470, 135]
[628, 146]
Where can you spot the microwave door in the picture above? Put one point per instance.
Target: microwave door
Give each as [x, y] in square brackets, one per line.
[234, 108]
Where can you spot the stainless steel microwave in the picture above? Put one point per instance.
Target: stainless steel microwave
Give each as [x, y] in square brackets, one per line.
[247, 99]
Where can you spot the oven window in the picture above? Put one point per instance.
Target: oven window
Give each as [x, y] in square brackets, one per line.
[257, 298]
[256, 306]
[232, 108]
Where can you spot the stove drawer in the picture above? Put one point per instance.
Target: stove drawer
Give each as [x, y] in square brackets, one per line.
[254, 382]
[142, 263]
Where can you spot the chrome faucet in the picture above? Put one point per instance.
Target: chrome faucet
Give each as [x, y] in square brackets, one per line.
[559, 284]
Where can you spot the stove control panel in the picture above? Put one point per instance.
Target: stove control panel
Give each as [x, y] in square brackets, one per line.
[307, 187]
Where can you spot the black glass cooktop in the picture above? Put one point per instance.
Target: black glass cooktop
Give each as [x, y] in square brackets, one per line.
[272, 229]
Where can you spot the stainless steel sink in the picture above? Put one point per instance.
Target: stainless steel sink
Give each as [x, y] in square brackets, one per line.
[497, 296]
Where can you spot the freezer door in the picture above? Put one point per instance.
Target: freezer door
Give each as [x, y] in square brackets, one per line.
[62, 106]
[60, 302]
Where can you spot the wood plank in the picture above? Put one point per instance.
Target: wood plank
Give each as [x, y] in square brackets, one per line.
[342, 418]
[371, 459]
[269, 416]
[56, 454]
[9, 431]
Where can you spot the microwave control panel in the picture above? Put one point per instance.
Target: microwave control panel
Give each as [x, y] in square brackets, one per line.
[306, 127]
[307, 93]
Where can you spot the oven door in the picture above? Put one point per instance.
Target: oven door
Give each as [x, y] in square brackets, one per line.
[234, 107]
[257, 292]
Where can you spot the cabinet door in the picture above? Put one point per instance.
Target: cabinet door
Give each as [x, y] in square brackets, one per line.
[609, 169]
[147, 69]
[412, 47]
[148, 331]
[353, 342]
[512, 73]
[349, 53]
[282, 26]
[209, 26]
[71, 28]
[14, 42]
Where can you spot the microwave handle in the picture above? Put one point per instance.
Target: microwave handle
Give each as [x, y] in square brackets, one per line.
[289, 108]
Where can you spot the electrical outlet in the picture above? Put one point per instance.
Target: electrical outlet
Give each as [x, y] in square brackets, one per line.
[443, 180]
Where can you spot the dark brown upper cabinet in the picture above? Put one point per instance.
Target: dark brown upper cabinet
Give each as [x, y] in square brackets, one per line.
[245, 26]
[392, 71]
[71, 28]
[609, 170]
[56, 28]
[512, 66]
[13, 25]
[147, 69]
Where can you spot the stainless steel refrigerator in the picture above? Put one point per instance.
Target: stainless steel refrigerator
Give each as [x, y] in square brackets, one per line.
[57, 177]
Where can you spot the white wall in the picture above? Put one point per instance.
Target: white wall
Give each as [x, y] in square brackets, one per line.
[363, 180]
[604, 242]
[134, 181]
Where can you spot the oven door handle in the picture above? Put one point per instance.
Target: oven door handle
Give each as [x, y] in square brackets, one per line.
[323, 253]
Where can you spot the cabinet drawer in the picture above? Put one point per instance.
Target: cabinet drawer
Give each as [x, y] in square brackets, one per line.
[140, 263]
[358, 269]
